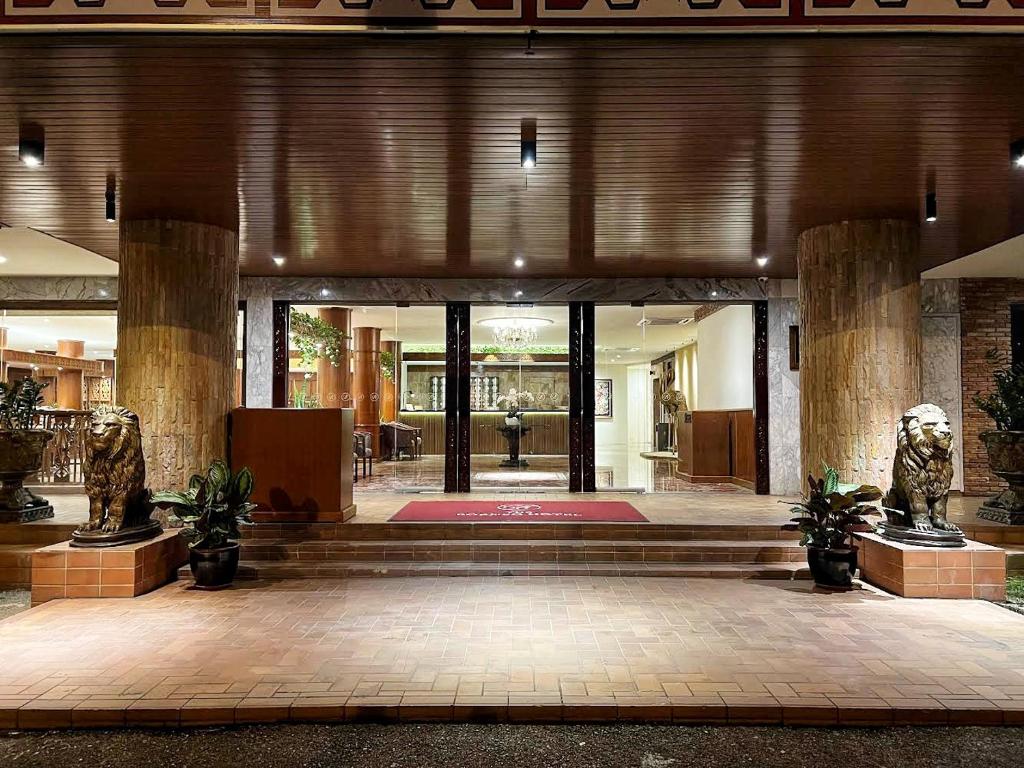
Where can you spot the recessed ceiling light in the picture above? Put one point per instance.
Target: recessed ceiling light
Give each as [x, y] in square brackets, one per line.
[1017, 153]
[762, 261]
[31, 151]
[279, 260]
[519, 261]
[714, 294]
[518, 294]
[3, 259]
[324, 292]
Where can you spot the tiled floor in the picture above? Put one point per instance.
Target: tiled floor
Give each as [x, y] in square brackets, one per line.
[524, 649]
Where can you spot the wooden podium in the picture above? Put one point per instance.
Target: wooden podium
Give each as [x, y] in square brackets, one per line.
[301, 459]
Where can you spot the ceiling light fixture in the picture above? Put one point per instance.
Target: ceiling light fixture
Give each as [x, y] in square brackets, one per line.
[279, 261]
[514, 332]
[528, 143]
[111, 201]
[518, 294]
[519, 262]
[762, 261]
[32, 145]
[931, 210]
[1017, 153]
[3, 259]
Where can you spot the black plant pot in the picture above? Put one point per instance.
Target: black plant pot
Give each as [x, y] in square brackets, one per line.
[214, 568]
[832, 568]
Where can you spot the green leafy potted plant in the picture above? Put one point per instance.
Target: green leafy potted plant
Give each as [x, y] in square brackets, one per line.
[21, 450]
[316, 338]
[1005, 444]
[210, 511]
[387, 365]
[824, 519]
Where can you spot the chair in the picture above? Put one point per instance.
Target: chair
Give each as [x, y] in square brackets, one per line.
[362, 451]
[397, 437]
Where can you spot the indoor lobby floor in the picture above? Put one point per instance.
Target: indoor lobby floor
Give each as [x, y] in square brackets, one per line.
[528, 649]
[614, 470]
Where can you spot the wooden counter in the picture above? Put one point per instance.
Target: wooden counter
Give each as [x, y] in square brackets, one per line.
[548, 435]
[717, 447]
[301, 460]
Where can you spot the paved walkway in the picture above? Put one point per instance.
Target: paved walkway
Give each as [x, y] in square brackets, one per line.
[537, 649]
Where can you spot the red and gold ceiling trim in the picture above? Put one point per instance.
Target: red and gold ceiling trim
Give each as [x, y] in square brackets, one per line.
[572, 15]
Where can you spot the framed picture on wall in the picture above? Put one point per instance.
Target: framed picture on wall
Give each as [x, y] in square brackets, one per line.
[603, 398]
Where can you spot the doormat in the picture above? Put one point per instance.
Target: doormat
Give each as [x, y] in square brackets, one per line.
[518, 512]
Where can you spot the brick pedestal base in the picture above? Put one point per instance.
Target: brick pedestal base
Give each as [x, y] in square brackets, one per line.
[976, 571]
[124, 571]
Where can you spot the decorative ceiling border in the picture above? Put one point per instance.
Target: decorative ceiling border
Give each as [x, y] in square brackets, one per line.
[518, 15]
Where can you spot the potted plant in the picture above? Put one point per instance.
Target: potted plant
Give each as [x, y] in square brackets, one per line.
[210, 512]
[1005, 443]
[316, 338]
[824, 519]
[21, 450]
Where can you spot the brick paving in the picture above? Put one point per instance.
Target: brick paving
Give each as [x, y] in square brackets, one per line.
[520, 649]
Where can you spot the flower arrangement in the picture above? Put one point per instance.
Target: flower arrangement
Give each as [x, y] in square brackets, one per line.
[514, 399]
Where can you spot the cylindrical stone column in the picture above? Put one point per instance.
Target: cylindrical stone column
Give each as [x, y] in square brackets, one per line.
[860, 345]
[334, 382]
[177, 312]
[366, 382]
[69, 380]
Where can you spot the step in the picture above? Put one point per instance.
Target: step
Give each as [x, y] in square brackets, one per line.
[329, 531]
[524, 551]
[16, 565]
[382, 569]
[40, 534]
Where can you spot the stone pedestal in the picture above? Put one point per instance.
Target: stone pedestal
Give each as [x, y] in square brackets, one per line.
[58, 571]
[974, 571]
[334, 382]
[860, 345]
[177, 314]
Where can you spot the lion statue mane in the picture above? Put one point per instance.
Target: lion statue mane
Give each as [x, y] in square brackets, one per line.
[922, 470]
[115, 472]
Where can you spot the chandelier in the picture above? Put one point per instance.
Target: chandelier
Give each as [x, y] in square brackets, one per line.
[515, 333]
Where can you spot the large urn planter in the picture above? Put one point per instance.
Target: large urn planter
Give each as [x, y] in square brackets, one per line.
[214, 568]
[21, 456]
[832, 568]
[1006, 460]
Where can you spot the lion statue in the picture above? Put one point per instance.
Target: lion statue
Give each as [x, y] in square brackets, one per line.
[115, 472]
[922, 471]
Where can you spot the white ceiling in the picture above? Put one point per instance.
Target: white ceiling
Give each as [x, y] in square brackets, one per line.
[26, 252]
[1005, 259]
[29, 331]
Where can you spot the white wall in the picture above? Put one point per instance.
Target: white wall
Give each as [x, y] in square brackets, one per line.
[725, 359]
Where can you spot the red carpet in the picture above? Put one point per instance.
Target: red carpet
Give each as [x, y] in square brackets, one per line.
[518, 511]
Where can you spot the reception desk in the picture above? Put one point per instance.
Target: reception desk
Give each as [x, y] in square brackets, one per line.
[717, 447]
[548, 435]
[301, 461]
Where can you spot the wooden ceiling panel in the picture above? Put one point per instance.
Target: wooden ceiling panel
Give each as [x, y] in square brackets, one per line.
[399, 156]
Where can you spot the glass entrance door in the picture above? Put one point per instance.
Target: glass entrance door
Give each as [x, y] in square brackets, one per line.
[519, 397]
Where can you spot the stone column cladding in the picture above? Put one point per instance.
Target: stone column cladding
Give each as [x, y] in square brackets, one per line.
[860, 344]
[3, 360]
[334, 382]
[366, 382]
[176, 338]
[984, 325]
[69, 381]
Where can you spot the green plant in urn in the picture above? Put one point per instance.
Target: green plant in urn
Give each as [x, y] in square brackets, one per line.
[21, 451]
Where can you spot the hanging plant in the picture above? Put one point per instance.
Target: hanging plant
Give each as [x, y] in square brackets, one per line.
[387, 365]
[316, 339]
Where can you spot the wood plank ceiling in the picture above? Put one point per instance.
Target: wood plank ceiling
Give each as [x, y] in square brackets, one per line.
[399, 155]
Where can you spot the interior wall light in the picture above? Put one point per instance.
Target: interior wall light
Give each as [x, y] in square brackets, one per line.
[110, 207]
[931, 208]
[528, 143]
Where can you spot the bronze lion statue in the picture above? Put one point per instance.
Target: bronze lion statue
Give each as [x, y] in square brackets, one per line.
[115, 472]
[922, 470]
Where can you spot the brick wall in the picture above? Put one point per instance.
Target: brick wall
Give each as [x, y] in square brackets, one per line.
[984, 324]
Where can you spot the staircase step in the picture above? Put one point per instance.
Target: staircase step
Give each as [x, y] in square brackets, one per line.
[16, 565]
[524, 551]
[382, 569]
